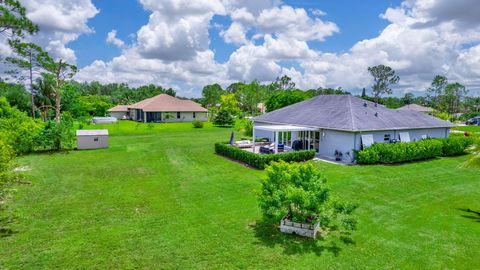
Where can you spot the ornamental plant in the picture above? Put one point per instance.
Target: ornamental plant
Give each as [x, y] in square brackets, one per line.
[299, 191]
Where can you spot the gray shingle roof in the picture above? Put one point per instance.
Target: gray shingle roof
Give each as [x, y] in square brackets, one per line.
[346, 112]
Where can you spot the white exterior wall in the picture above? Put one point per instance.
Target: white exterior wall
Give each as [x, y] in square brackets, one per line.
[415, 135]
[88, 142]
[331, 140]
[185, 117]
[118, 115]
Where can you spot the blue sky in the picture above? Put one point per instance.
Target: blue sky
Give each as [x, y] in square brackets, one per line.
[187, 44]
[357, 20]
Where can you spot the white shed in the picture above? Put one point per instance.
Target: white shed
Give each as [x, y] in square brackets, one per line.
[92, 139]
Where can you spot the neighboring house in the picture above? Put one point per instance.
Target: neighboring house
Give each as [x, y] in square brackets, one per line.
[165, 108]
[344, 123]
[119, 112]
[417, 108]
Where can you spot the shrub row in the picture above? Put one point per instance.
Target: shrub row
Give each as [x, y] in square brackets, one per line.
[412, 151]
[261, 161]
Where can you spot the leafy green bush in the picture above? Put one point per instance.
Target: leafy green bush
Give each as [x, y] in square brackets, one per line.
[299, 192]
[6, 156]
[55, 136]
[455, 145]
[412, 151]
[223, 119]
[197, 124]
[247, 127]
[261, 161]
[17, 129]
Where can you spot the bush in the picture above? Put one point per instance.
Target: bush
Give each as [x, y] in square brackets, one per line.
[17, 129]
[247, 127]
[299, 191]
[223, 119]
[412, 151]
[261, 161]
[455, 146]
[6, 156]
[55, 136]
[197, 124]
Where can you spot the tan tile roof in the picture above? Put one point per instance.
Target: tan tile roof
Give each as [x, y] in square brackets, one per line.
[167, 103]
[119, 108]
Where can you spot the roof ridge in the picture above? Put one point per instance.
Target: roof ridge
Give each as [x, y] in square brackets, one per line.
[351, 112]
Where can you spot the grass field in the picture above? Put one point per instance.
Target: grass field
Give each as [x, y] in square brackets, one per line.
[468, 128]
[160, 198]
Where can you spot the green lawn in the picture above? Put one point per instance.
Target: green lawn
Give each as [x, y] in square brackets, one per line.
[468, 128]
[160, 198]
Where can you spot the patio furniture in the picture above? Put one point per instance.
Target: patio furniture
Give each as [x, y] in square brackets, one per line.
[243, 144]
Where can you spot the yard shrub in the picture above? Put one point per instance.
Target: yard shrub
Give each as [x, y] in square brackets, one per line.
[455, 146]
[299, 191]
[412, 151]
[197, 124]
[223, 119]
[261, 161]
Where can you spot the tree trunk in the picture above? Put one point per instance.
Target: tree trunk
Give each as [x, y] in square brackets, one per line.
[57, 92]
[57, 101]
[31, 87]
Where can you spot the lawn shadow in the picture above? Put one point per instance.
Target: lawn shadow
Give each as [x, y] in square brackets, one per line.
[471, 214]
[5, 230]
[268, 234]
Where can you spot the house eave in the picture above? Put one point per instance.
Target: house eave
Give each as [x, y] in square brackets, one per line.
[354, 130]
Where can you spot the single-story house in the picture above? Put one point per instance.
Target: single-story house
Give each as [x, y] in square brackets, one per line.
[417, 108]
[119, 112]
[165, 108]
[333, 124]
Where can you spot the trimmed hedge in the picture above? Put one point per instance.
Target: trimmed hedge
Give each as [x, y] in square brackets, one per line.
[412, 151]
[261, 161]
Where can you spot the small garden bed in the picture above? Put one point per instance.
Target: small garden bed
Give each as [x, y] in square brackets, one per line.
[299, 228]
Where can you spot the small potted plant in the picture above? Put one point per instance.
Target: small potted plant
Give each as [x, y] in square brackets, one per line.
[338, 155]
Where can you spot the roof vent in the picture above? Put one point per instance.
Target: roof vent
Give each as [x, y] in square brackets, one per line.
[376, 104]
[364, 104]
[376, 114]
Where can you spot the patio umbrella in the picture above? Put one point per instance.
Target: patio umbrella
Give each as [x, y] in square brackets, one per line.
[232, 135]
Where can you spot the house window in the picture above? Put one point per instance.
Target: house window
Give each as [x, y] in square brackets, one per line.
[178, 115]
[386, 138]
[95, 139]
[194, 115]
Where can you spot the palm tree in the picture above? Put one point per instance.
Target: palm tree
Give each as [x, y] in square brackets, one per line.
[45, 98]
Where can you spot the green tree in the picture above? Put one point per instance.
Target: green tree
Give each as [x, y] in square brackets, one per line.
[16, 95]
[45, 94]
[211, 94]
[33, 59]
[13, 20]
[383, 77]
[223, 118]
[408, 98]
[436, 90]
[61, 72]
[95, 105]
[283, 83]
[452, 97]
[281, 99]
[229, 103]
[299, 191]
